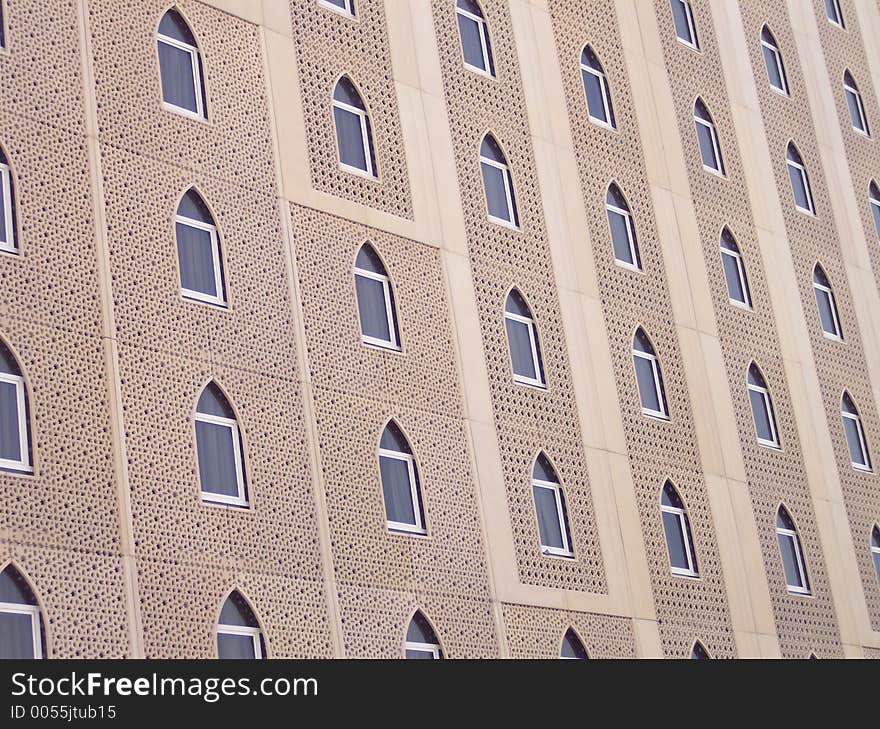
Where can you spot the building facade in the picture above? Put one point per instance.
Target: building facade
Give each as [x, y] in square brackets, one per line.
[440, 328]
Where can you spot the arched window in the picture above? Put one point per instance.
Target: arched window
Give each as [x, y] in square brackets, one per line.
[238, 631]
[699, 653]
[685, 28]
[354, 134]
[522, 338]
[421, 640]
[826, 303]
[550, 508]
[15, 439]
[375, 300]
[21, 623]
[572, 647]
[707, 135]
[343, 7]
[596, 89]
[198, 251]
[773, 61]
[221, 456]
[875, 549]
[474, 32]
[874, 200]
[677, 526]
[855, 434]
[400, 482]
[796, 578]
[734, 271]
[8, 222]
[762, 408]
[649, 377]
[854, 103]
[498, 184]
[623, 229]
[832, 10]
[800, 183]
[180, 67]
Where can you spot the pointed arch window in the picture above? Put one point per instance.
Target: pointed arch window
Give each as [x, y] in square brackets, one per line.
[8, 222]
[572, 647]
[220, 452]
[15, 437]
[677, 527]
[699, 653]
[773, 62]
[498, 184]
[522, 339]
[834, 13]
[596, 88]
[474, 32]
[343, 7]
[685, 28]
[623, 229]
[375, 299]
[796, 578]
[855, 105]
[180, 67]
[238, 631]
[762, 408]
[707, 135]
[875, 549]
[874, 201]
[354, 133]
[648, 377]
[421, 640]
[22, 635]
[198, 251]
[855, 434]
[400, 482]
[550, 509]
[827, 305]
[734, 271]
[800, 182]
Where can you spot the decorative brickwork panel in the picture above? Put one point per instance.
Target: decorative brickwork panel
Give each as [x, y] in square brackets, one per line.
[774, 476]
[659, 449]
[534, 632]
[330, 45]
[872, 653]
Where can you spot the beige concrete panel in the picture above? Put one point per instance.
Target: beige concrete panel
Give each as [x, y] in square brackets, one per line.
[648, 639]
[249, 10]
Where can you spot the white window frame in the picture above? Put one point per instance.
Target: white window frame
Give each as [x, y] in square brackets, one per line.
[741, 274]
[370, 173]
[874, 203]
[690, 570]
[484, 43]
[24, 465]
[780, 68]
[837, 335]
[347, 11]
[193, 51]
[692, 26]
[246, 630]
[716, 146]
[792, 534]
[537, 381]
[764, 392]
[875, 549]
[210, 496]
[606, 97]
[220, 298]
[802, 171]
[863, 119]
[863, 445]
[508, 191]
[389, 311]
[399, 526]
[431, 648]
[15, 608]
[556, 488]
[658, 389]
[6, 182]
[630, 234]
[838, 13]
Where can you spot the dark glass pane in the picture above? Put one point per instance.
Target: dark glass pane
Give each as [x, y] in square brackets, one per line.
[396, 489]
[699, 653]
[394, 440]
[852, 101]
[679, 17]
[516, 304]
[877, 563]
[236, 611]
[670, 497]
[240, 647]
[178, 80]
[543, 471]
[520, 348]
[349, 136]
[707, 150]
[195, 252]
[16, 636]
[419, 655]
[615, 197]
[369, 260]
[783, 520]
[675, 541]
[761, 415]
[348, 94]
[572, 647]
[10, 443]
[641, 343]
[731, 274]
[14, 589]
[216, 448]
[175, 27]
[593, 89]
[4, 234]
[192, 206]
[420, 631]
[826, 304]
[548, 517]
[212, 402]
[772, 68]
[852, 440]
[799, 188]
[831, 9]
[875, 211]
[471, 44]
[789, 560]
[620, 237]
[371, 304]
[496, 192]
[341, 4]
[489, 148]
[470, 6]
[647, 386]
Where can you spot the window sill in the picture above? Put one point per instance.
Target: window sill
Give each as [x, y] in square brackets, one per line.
[686, 574]
[861, 133]
[782, 92]
[805, 211]
[713, 171]
[192, 298]
[17, 469]
[687, 44]
[799, 592]
[740, 305]
[768, 444]
[832, 337]
[504, 223]
[534, 384]
[194, 115]
[629, 266]
[406, 530]
[358, 172]
[479, 71]
[603, 124]
[546, 552]
[654, 415]
[861, 469]
[380, 344]
[209, 499]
